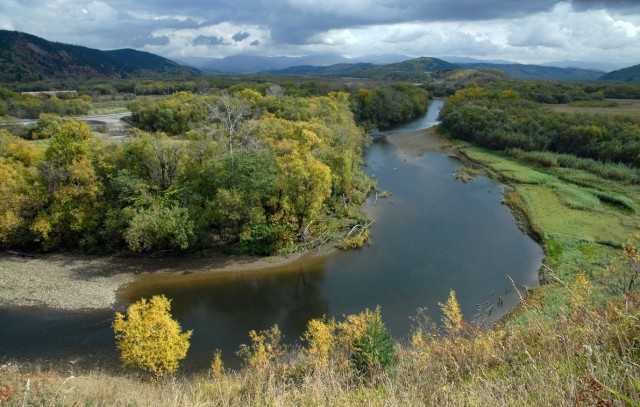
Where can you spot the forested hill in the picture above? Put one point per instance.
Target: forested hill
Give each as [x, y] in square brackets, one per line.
[630, 74]
[25, 57]
[539, 72]
[412, 69]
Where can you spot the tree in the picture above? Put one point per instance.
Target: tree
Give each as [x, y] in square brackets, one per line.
[74, 187]
[321, 339]
[149, 339]
[303, 179]
[452, 318]
[232, 116]
[374, 350]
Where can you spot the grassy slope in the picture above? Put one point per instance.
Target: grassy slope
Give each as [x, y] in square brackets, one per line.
[555, 350]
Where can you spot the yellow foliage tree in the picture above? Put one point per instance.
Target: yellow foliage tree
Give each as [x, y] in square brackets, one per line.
[217, 365]
[452, 318]
[321, 341]
[265, 348]
[581, 289]
[149, 339]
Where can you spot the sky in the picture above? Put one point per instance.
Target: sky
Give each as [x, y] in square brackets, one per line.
[525, 31]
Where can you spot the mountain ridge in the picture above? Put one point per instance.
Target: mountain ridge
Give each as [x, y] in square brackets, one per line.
[629, 74]
[26, 57]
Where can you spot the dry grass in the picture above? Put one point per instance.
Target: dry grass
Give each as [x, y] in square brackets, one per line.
[543, 363]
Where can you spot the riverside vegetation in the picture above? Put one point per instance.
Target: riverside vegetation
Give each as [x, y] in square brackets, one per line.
[574, 340]
[246, 172]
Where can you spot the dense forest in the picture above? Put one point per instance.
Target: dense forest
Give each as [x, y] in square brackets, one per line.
[503, 119]
[247, 172]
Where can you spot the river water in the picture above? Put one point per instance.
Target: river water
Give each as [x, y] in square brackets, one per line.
[433, 234]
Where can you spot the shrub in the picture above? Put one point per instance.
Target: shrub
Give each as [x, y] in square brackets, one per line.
[265, 349]
[217, 365]
[149, 339]
[160, 227]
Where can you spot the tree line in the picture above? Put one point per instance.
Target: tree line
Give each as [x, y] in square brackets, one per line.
[502, 119]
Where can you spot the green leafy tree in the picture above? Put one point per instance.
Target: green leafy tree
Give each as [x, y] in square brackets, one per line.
[373, 350]
[149, 338]
[160, 227]
[74, 187]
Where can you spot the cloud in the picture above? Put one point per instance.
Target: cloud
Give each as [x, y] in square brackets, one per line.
[140, 42]
[209, 40]
[520, 30]
[239, 36]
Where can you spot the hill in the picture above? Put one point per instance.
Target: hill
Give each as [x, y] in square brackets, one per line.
[630, 74]
[25, 57]
[539, 72]
[412, 69]
[336, 69]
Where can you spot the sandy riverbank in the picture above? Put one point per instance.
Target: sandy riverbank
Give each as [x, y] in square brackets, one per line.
[413, 145]
[75, 282]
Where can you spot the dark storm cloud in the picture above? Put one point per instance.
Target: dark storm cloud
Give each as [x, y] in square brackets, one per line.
[239, 36]
[209, 40]
[296, 22]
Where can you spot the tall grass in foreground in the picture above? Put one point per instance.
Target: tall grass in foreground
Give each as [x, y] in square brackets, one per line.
[568, 361]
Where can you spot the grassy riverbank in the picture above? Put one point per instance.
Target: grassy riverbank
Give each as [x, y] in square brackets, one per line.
[568, 342]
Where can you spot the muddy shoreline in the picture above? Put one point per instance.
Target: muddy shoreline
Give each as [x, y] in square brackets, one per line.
[80, 282]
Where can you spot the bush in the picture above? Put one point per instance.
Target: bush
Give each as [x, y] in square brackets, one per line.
[149, 339]
[160, 227]
[265, 350]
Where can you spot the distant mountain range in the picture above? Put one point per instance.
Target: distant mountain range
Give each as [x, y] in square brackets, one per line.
[412, 69]
[25, 57]
[249, 64]
[417, 69]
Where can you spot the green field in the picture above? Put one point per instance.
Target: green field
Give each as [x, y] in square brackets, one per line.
[624, 107]
[114, 106]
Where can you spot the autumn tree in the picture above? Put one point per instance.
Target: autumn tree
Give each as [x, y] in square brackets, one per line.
[304, 180]
[74, 187]
[452, 318]
[149, 338]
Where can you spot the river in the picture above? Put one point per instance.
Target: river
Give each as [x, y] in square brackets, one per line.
[433, 234]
